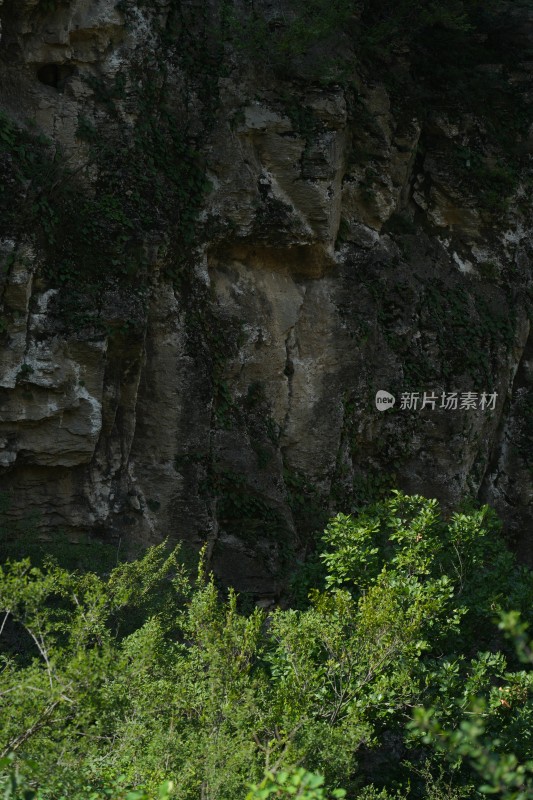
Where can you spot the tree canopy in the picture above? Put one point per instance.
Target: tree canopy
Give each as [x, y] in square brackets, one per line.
[394, 681]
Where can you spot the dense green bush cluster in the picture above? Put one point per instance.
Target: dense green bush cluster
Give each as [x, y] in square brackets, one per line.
[113, 684]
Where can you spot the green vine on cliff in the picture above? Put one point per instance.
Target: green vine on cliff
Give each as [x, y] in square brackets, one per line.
[50, 6]
[101, 237]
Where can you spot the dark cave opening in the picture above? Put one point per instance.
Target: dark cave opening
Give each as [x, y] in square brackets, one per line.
[55, 75]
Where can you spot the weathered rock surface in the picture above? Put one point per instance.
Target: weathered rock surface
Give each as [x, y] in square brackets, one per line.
[338, 257]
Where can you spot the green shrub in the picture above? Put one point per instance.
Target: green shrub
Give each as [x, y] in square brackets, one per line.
[114, 684]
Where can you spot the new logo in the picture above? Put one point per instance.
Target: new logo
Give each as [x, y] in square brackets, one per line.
[384, 400]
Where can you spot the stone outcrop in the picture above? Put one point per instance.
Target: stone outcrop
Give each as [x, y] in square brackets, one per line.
[341, 249]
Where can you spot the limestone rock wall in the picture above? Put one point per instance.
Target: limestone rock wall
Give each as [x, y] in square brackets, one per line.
[340, 249]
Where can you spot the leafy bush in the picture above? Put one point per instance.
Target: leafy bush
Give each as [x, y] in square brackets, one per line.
[147, 675]
[500, 753]
[293, 783]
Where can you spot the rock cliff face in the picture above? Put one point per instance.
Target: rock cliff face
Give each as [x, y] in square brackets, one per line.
[219, 386]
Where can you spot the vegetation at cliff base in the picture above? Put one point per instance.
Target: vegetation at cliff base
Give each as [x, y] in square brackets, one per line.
[394, 682]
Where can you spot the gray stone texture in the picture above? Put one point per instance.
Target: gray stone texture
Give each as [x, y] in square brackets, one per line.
[325, 300]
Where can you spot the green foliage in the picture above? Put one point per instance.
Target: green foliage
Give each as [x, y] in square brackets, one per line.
[149, 188]
[244, 513]
[433, 56]
[13, 784]
[370, 31]
[28, 169]
[297, 783]
[111, 685]
[499, 754]
[148, 182]
[49, 6]
[22, 539]
[471, 330]
[388, 27]
[468, 326]
[59, 687]
[491, 184]
[284, 38]
[16, 785]
[409, 536]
